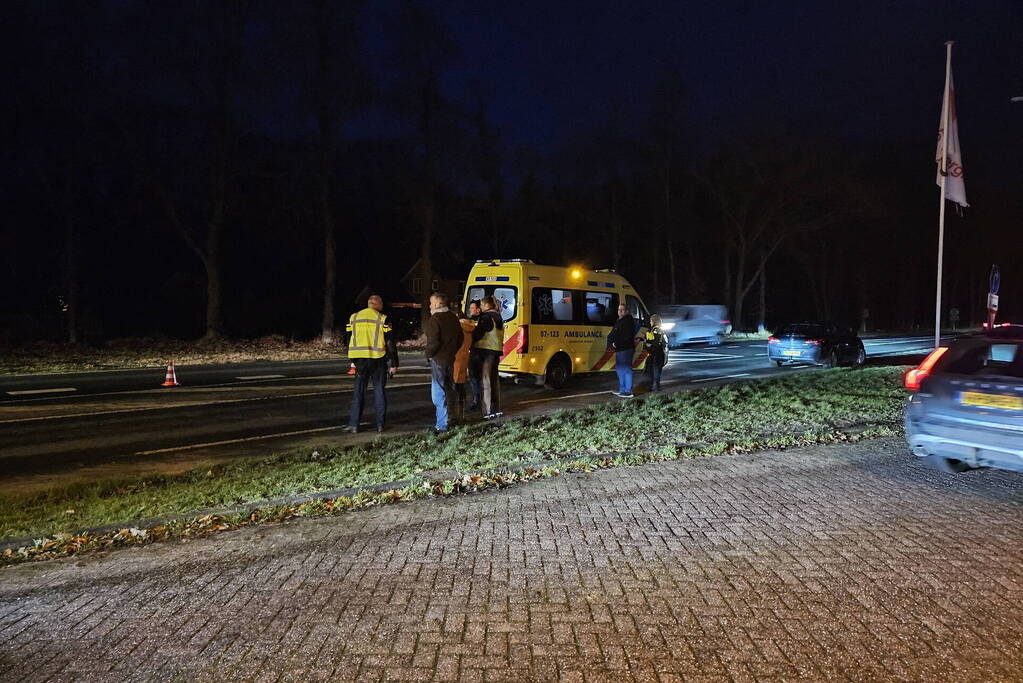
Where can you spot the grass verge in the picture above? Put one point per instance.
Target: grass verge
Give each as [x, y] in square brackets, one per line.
[776, 413]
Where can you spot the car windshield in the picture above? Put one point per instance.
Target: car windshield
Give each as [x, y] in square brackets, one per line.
[982, 358]
[802, 330]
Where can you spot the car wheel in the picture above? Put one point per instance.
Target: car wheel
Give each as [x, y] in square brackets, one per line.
[558, 372]
[861, 358]
[943, 464]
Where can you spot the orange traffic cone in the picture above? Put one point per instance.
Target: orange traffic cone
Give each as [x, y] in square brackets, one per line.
[351, 369]
[171, 380]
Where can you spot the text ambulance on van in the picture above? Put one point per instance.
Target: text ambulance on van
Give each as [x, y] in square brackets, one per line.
[556, 319]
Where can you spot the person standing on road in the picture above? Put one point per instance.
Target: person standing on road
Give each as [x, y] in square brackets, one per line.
[623, 340]
[462, 363]
[443, 339]
[474, 367]
[488, 343]
[656, 346]
[374, 354]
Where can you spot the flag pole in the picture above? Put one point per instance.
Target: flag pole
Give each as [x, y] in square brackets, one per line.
[943, 169]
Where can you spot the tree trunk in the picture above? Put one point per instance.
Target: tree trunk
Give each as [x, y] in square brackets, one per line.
[614, 228]
[70, 254]
[215, 328]
[327, 335]
[740, 294]
[426, 254]
[726, 289]
[655, 261]
[672, 279]
[326, 130]
[762, 313]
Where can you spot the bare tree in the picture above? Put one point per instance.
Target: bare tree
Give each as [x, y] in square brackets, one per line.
[765, 193]
[425, 49]
[340, 86]
[667, 149]
[214, 69]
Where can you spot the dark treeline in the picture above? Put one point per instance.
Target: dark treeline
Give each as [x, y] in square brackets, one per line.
[204, 168]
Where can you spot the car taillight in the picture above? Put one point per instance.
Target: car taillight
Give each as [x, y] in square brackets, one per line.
[726, 322]
[915, 376]
[772, 340]
[815, 342]
[523, 339]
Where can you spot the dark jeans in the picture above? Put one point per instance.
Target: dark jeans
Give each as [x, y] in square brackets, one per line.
[491, 380]
[367, 369]
[442, 391]
[475, 371]
[653, 368]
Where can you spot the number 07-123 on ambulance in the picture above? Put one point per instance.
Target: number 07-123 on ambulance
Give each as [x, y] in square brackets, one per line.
[556, 319]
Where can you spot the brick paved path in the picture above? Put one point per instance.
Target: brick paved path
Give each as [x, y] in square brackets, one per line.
[832, 562]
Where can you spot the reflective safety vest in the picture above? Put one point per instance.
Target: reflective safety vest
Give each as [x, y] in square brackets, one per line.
[493, 339]
[368, 328]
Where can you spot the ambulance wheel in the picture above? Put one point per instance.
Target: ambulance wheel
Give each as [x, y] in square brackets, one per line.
[559, 369]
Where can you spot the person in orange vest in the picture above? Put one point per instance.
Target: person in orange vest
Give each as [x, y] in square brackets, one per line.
[372, 349]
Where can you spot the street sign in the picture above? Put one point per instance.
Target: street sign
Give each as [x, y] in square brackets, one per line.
[995, 280]
[992, 301]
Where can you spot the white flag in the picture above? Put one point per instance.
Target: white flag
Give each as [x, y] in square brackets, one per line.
[955, 188]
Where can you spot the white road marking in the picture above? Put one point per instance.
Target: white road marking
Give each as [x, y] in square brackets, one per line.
[210, 444]
[164, 391]
[885, 342]
[559, 398]
[260, 376]
[40, 391]
[199, 403]
[711, 379]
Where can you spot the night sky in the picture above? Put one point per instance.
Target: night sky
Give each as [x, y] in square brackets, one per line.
[96, 86]
[868, 71]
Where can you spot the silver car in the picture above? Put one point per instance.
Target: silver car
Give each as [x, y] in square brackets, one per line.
[966, 409]
[693, 324]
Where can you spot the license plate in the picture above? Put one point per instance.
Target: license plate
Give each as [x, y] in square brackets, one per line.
[976, 398]
[791, 352]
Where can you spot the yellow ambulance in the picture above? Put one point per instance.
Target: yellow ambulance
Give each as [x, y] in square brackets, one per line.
[556, 319]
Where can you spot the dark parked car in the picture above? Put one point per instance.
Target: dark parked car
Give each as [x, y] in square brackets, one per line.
[967, 407]
[816, 344]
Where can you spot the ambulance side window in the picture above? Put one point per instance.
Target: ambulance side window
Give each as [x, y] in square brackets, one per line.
[552, 306]
[601, 308]
[506, 302]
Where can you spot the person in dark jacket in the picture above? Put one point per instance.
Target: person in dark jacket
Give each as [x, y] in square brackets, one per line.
[487, 347]
[474, 312]
[656, 346]
[443, 339]
[623, 340]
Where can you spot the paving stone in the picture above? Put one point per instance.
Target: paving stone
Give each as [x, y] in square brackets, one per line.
[846, 562]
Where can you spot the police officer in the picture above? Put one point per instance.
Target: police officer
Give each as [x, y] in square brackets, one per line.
[371, 347]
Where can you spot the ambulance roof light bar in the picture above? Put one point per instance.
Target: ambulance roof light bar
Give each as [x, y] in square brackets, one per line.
[495, 261]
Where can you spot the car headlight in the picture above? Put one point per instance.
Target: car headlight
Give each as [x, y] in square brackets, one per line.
[667, 326]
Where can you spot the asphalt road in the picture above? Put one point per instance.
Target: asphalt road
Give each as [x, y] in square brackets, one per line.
[109, 421]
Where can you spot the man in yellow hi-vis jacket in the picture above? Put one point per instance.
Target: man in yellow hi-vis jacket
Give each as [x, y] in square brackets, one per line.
[372, 349]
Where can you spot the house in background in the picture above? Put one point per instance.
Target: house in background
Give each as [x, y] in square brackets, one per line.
[419, 284]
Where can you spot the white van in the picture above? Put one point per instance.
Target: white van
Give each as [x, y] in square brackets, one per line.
[693, 324]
